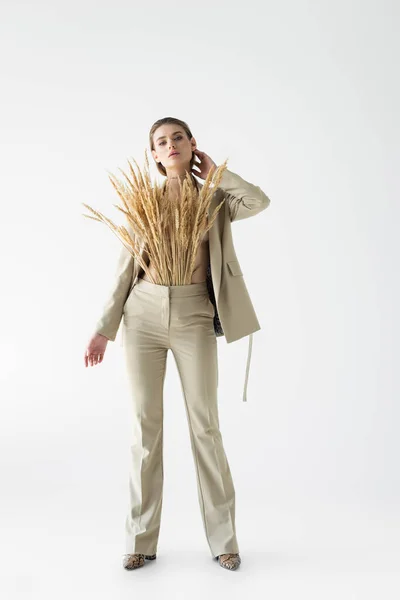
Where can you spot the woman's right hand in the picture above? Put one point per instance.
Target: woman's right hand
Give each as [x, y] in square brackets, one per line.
[95, 350]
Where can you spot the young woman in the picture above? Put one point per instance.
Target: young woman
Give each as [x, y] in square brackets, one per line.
[186, 319]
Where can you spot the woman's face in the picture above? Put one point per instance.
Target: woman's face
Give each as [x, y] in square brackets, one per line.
[169, 139]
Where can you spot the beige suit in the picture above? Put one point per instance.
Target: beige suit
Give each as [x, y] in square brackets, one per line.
[234, 309]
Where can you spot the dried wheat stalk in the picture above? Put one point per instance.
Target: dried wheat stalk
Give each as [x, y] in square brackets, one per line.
[167, 227]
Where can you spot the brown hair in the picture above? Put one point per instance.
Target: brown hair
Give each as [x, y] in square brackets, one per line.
[170, 121]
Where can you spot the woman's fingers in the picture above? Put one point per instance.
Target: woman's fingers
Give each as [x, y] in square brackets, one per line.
[93, 359]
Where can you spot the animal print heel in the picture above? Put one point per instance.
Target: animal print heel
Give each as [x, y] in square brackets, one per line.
[134, 561]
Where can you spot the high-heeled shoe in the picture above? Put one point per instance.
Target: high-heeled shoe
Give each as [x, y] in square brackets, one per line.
[134, 561]
[229, 561]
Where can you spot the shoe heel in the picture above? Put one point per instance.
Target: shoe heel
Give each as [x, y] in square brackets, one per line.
[150, 556]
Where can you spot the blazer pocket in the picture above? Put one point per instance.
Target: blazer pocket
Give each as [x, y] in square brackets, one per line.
[234, 267]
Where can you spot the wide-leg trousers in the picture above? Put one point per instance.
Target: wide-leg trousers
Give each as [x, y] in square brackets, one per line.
[158, 318]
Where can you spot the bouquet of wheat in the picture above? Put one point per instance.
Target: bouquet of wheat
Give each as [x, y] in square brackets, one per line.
[168, 227]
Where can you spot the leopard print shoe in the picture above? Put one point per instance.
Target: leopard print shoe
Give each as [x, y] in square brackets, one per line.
[134, 561]
[229, 561]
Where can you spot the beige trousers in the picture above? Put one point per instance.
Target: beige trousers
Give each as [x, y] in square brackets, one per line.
[158, 318]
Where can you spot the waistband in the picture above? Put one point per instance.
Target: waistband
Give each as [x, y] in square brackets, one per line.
[191, 289]
[172, 291]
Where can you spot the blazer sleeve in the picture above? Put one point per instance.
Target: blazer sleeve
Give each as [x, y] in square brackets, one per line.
[243, 198]
[110, 320]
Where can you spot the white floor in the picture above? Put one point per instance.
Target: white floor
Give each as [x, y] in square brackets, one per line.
[322, 552]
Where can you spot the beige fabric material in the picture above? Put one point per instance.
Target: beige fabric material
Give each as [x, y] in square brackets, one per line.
[159, 318]
[235, 309]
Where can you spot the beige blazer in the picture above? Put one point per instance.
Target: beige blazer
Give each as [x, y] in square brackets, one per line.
[235, 314]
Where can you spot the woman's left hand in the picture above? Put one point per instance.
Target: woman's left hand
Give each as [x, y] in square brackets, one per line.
[204, 166]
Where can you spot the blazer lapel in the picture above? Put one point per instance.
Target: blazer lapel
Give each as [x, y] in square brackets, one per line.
[215, 248]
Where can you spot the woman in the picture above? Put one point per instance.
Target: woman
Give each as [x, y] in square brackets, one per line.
[186, 319]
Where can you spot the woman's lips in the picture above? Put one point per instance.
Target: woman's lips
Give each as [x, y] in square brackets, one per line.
[174, 154]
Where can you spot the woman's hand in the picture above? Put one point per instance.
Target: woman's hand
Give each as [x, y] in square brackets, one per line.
[205, 164]
[94, 353]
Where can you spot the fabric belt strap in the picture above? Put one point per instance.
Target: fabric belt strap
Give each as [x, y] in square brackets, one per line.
[247, 367]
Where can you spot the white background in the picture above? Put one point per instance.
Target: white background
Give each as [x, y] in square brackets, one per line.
[302, 98]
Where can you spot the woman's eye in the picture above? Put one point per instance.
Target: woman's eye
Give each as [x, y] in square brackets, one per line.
[178, 137]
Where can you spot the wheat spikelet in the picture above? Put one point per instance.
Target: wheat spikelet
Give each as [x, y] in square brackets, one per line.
[167, 228]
